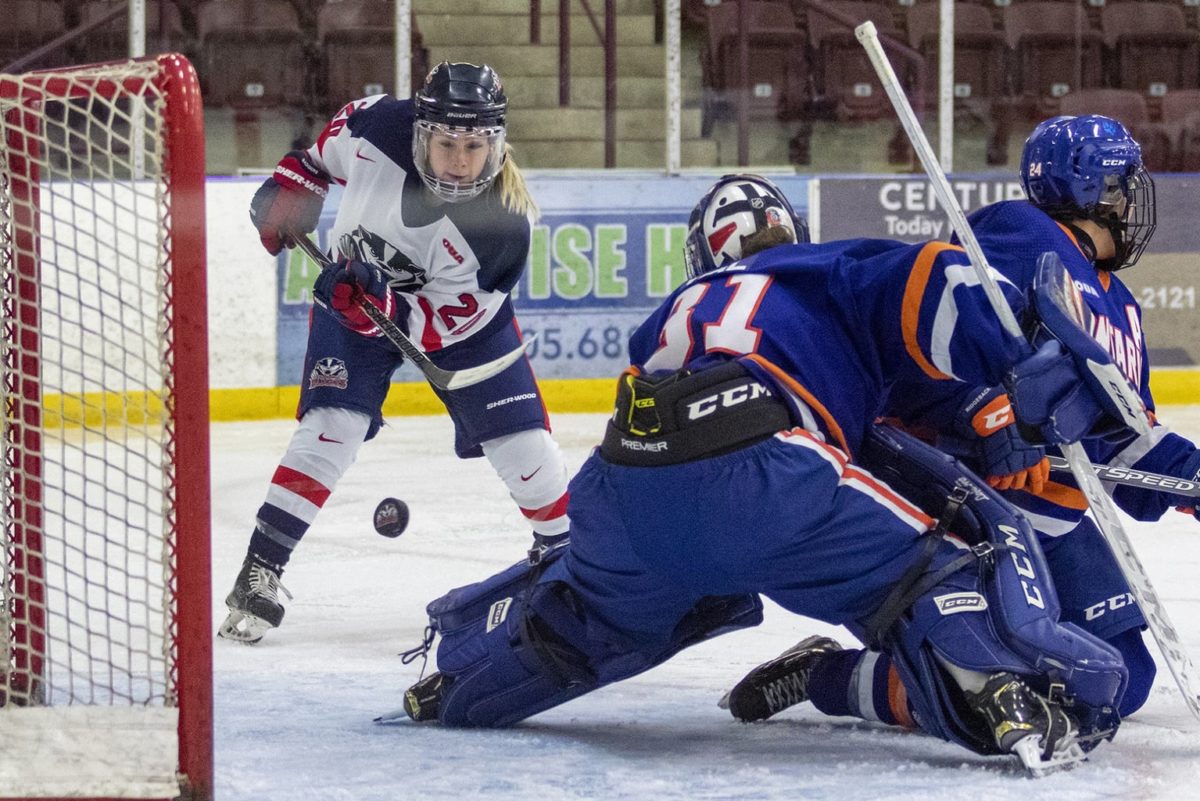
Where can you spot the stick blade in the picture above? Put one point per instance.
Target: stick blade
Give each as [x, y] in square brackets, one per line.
[473, 375]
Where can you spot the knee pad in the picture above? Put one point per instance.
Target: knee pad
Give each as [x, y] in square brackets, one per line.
[530, 464]
[326, 443]
[521, 642]
[993, 612]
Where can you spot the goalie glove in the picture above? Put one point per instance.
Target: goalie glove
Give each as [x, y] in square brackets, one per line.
[1069, 389]
[985, 437]
[289, 202]
[342, 288]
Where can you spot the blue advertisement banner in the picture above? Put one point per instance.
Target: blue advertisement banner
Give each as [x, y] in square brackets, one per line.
[605, 252]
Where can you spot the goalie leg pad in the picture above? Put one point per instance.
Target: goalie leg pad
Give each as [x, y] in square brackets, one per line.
[511, 648]
[998, 613]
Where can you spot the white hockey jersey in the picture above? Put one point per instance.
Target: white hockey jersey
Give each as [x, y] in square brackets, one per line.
[451, 264]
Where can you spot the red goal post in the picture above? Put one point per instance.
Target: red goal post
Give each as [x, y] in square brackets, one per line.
[105, 620]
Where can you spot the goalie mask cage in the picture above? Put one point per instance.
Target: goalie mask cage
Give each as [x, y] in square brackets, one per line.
[105, 626]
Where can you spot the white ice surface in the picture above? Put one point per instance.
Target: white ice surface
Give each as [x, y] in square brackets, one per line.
[294, 713]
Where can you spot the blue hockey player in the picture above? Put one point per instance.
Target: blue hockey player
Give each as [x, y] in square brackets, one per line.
[742, 458]
[1092, 203]
[433, 228]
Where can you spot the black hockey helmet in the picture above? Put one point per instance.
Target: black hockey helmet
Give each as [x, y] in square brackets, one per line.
[463, 96]
[465, 104]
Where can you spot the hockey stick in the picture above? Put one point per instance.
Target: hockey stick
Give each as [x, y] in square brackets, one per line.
[1105, 514]
[442, 379]
[1128, 477]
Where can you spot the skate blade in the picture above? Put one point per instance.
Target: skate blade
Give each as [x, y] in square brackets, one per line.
[724, 702]
[1066, 755]
[393, 716]
[243, 628]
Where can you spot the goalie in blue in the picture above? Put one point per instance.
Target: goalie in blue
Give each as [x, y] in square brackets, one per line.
[743, 459]
[1092, 203]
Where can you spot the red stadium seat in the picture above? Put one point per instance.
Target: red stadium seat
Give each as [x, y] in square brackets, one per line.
[358, 42]
[29, 24]
[164, 33]
[978, 52]
[845, 77]
[1056, 49]
[1130, 107]
[1188, 147]
[777, 69]
[1153, 49]
[1180, 112]
[251, 53]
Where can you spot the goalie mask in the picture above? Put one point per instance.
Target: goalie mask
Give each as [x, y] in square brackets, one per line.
[1089, 167]
[458, 135]
[736, 208]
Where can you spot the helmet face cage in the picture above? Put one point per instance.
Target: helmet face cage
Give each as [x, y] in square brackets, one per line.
[430, 135]
[466, 103]
[736, 207]
[1089, 167]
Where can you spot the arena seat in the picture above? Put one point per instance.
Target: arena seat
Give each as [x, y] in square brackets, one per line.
[778, 68]
[112, 40]
[357, 39]
[1130, 107]
[1153, 49]
[845, 79]
[252, 54]
[1054, 47]
[1188, 146]
[1180, 113]
[29, 24]
[979, 52]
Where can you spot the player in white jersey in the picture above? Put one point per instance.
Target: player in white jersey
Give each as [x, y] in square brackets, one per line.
[434, 229]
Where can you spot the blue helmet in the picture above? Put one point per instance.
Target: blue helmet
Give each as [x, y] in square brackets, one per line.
[1089, 167]
[736, 207]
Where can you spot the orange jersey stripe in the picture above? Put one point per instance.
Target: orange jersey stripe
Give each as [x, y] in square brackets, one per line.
[808, 397]
[1061, 494]
[898, 699]
[910, 313]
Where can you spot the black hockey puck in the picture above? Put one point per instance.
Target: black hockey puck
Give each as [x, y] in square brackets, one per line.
[391, 517]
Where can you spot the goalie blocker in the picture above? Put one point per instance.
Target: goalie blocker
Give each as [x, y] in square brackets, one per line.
[529, 639]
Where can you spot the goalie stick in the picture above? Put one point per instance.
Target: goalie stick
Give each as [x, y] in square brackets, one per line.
[442, 379]
[1160, 626]
[1129, 477]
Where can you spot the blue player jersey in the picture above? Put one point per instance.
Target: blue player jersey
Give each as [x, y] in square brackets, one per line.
[799, 314]
[1012, 235]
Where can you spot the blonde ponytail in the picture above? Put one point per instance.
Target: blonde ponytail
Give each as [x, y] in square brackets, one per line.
[514, 194]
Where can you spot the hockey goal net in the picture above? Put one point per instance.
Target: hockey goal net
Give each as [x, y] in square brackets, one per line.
[105, 625]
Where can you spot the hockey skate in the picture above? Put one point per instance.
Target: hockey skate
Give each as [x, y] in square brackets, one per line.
[774, 686]
[422, 700]
[253, 603]
[1023, 723]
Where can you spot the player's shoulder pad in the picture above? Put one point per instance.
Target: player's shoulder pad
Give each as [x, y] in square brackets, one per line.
[1018, 219]
[499, 238]
[387, 123]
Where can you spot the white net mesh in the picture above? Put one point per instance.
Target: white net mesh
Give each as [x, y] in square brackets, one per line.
[87, 461]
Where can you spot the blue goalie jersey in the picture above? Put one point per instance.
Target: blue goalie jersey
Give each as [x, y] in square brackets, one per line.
[801, 317]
